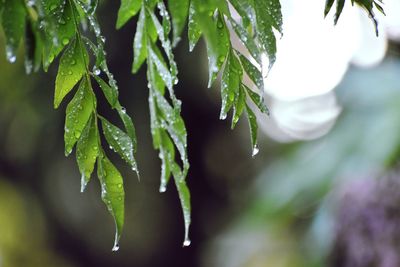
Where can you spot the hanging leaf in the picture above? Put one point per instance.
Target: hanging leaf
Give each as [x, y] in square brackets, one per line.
[61, 30]
[129, 126]
[112, 193]
[257, 99]
[111, 93]
[230, 83]
[179, 12]
[77, 115]
[87, 150]
[194, 30]
[253, 72]
[239, 105]
[251, 117]
[140, 42]
[127, 10]
[184, 197]
[13, 22]
[73, 65]
[218, 54]
[247, 40]
[120, 142]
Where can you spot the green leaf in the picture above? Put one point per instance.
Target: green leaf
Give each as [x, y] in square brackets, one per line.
[257, 100]
[13, 22]
[247, 40]
[238, 107]
[245, 10]
[179, 12]
[77, 115]
[87, 150]
[194, 30]
[73, 65]
[218, 53]
[112, 193]
[120, 142]
[111, 93]
[167, 156]
[161, 67]
[60, 18]
[127, 10]
[328, 6]
[174, 124]
[253, 130]
[268, 15]
[339, 9]
[184, 197]
[163, 32]
[140, 42]
[230, 83]
[253, 72]
[128, 124]
[30, 48]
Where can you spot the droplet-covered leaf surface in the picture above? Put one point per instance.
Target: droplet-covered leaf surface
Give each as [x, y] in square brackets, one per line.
[73, 65]
[87, 151]
[13, 22]
[77, 115]
[120, 142]
[127, 10]
[112, 193]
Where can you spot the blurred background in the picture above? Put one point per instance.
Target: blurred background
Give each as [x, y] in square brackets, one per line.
[323, 191]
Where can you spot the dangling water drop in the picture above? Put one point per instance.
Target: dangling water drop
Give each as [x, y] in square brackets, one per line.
[255, 151]
[115, 247]
[187, 242]
[163, 188]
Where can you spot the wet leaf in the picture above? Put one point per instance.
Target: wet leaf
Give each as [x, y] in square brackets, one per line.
[253, 72]
[129, 126]
[140, 42]
[13, 22]
[269, 16]
[179, 12]
[194, 30]
[112, 193]
[251, 117]
[239, 105]
[184, 197]
[120, 142]
[230, 83]
[87, 150]
[257, 99]
[127, 10]
[61, 28]
[77, 115]
[73, 65]
[218, 53]
[110, 93]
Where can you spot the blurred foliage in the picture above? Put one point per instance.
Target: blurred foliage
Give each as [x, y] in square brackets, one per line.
[297, 195]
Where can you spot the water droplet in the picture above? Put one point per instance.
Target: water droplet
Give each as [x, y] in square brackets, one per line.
[115, 247]
[187, 242]
[65, 41]
[10, 54]
[163, 188]
[83, 183]
[77, 134]
[255, 151]
[96, 70]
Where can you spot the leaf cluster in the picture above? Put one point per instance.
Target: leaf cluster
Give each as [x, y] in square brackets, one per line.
[50, 28]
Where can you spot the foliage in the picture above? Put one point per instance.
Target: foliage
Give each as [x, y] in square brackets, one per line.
[51, 27]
